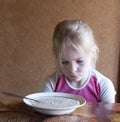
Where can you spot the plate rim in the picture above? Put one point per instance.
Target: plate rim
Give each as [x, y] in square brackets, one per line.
[58, 94]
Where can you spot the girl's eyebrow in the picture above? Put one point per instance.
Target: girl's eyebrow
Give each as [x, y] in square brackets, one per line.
[80, 58]
[64, 59]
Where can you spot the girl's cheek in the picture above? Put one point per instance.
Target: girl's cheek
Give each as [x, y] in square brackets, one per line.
[64, 68]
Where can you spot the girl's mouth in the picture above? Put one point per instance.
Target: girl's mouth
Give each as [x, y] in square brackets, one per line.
[73, 76]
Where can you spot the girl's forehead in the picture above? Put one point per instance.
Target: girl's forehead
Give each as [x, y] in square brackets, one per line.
[71, 52]
[71, 49]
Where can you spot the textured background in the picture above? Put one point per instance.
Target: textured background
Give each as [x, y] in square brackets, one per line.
[26, 28]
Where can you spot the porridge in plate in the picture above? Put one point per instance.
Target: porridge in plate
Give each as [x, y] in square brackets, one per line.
[56, 102]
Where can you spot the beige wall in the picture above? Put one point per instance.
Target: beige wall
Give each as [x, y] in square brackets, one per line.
[26, 28]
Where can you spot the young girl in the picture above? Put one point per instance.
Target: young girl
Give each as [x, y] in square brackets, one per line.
[76, 53]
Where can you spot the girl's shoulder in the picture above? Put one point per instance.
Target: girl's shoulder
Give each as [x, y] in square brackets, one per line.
[99, 75]
[50, 81]
[54, 76]
[102, 79]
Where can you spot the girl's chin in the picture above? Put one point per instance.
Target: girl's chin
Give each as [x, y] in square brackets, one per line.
[75, 79]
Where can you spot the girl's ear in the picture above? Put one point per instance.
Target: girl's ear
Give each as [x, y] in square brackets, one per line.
[93, 55]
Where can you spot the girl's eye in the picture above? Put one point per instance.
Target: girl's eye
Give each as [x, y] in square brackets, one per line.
[80, 61]
[65, 62]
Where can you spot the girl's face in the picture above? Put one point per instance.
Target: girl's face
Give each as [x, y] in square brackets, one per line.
[74, 65]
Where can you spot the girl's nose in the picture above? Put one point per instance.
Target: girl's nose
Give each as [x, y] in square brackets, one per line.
[73, 67]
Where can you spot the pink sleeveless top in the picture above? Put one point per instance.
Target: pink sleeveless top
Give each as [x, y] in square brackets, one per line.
[91, 92]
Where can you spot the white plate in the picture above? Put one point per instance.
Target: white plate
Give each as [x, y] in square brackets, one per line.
[55, 103]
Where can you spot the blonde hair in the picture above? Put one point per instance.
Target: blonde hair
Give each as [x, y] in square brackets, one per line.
[78, 34]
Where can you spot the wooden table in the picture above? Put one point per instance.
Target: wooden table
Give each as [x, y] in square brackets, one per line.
[17, 111]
